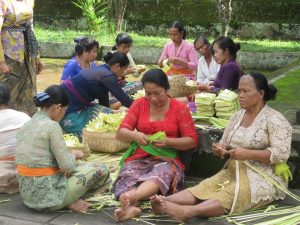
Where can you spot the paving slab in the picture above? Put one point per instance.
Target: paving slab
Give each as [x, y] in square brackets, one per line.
[15, 208]
[13, 221]
[16, 213]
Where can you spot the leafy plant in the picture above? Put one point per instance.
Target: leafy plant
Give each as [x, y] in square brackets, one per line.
[95, 12]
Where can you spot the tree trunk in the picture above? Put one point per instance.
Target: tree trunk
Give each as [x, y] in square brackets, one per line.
[120, 9]
[224, 13]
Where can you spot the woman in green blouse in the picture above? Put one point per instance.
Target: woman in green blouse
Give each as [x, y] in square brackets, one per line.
[48, 174]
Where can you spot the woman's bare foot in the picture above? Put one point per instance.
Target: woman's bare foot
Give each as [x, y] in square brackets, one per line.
[125, 201]
[177, 212]
[131, 212]
[156, 206]
[79, 206]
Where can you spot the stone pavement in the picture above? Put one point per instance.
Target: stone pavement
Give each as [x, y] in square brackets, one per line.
[15, 212]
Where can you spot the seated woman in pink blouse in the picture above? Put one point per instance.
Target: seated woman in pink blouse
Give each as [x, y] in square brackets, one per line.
[181, 54]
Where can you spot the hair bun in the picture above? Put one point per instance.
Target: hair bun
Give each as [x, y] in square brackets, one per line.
[40, 98]
[108, 57]
[272, 92]
[78, 40]
[237, 46]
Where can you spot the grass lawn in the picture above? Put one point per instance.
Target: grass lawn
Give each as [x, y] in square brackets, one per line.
[68, 35]
[288, 96]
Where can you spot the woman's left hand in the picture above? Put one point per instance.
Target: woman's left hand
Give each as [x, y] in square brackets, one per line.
[159, 143]
[177, 61]
[239, 153]
[39, 66]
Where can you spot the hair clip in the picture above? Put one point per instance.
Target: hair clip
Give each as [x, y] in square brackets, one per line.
[42, 96]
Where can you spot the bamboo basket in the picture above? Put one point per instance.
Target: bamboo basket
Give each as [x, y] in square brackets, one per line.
[178, 88]
[103, 142]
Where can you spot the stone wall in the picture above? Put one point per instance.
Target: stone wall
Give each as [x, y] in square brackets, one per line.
[150, 55]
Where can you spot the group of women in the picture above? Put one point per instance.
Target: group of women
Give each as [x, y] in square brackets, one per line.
[50, 178]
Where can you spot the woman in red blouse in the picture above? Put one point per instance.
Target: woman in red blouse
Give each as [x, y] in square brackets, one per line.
[144, 174]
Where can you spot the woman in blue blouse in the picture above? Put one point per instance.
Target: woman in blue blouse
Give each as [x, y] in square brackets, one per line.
[92, 84]
[86, 51]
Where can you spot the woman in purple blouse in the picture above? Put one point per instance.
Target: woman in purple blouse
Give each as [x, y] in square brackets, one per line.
[230, 72]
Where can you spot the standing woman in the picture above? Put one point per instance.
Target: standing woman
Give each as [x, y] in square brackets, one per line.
[86, 50]
[93, 84]
[230, 72]
[207, 66]
[19, 53]
[181, 54]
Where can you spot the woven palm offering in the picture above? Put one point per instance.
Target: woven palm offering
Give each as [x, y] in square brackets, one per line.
[73, 143]
[178, 87]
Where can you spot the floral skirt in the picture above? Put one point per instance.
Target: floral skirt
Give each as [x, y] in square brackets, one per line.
[22, 84]
[75, 122]
[222, 187]
[167, 175]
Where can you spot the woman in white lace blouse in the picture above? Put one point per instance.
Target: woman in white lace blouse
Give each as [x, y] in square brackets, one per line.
[257, 134]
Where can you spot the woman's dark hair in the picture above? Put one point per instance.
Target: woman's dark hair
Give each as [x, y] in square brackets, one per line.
[177, 24]
[4, 95]
[85, 44]
[156, 76]
[261, 83]
[203, 39]
[226, 42]
[116, 57]
[54, 94]
[122, 38]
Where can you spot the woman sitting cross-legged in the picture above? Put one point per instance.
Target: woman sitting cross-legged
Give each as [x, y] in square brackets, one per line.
[256, 136]
[48, 175]
[151, 168]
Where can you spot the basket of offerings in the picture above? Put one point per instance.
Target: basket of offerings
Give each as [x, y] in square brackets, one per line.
[73, 143]
[100, 133]
[180, 87]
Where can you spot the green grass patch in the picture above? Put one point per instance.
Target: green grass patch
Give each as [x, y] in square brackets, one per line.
[67, 35]
[288, 96]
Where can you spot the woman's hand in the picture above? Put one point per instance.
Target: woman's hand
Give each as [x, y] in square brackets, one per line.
[239, 153]
[178, 61]
[38, 65]
[160, 143]
[220, 150]
[77, 154]
[160, 63]
[129, 70]
[140, 138]
[4, 68]
[203, 87]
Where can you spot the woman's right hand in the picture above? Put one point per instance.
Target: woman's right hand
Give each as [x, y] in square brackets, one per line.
[4, 68]
[140, 138]
[77, 154]
[160, 63]
[219, 150]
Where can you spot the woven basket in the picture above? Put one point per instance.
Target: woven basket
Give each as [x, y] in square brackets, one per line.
[178, 88]
[103, 142]
[85, 149]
